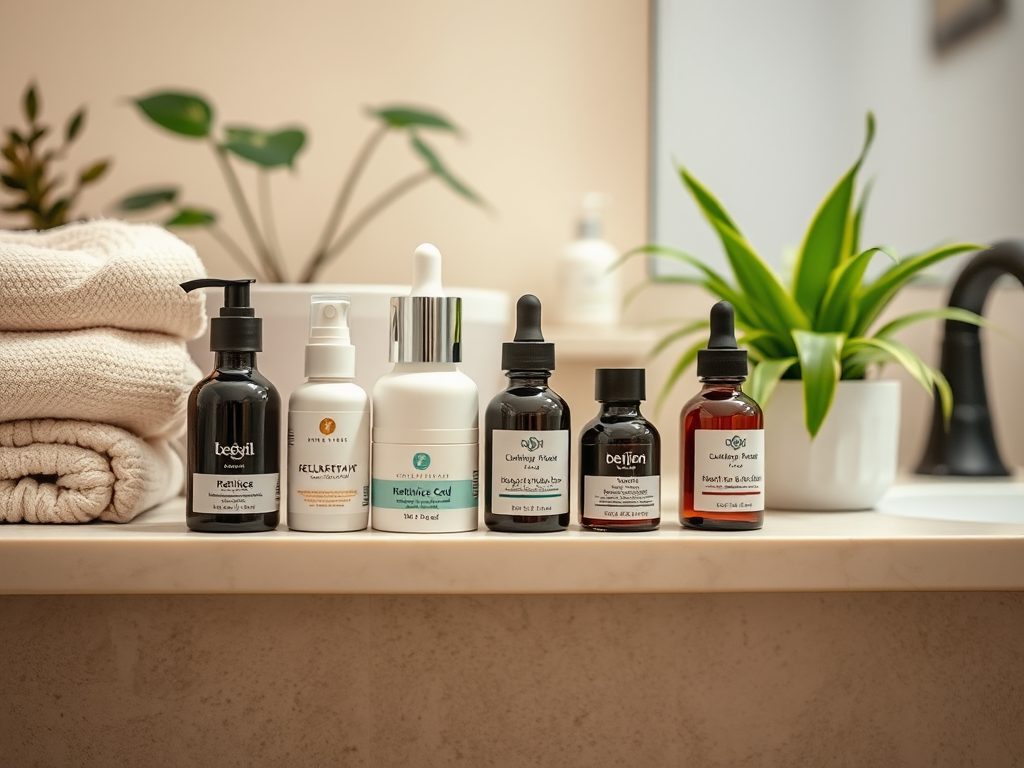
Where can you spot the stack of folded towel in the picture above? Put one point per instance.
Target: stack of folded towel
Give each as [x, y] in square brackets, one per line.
[94, 373]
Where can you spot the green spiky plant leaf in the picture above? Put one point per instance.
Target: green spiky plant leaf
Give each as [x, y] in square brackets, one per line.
[819, 329]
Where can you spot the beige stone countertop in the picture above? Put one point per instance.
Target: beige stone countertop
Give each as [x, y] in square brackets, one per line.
[794, 552]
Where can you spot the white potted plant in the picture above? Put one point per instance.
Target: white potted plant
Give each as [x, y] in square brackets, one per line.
[281, 295]
[831, 427]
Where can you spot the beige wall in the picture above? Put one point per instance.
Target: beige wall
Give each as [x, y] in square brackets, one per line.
[552, 98]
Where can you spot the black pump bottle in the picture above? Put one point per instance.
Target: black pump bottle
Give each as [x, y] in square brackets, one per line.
[234, 422]
[526, 451]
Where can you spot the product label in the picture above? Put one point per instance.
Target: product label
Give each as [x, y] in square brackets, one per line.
[329, 463]
[728, 470]
[625, 489]
[425, 487]
[530, 472]
[236, 494]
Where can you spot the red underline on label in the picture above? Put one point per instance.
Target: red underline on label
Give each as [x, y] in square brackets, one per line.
[730, 493]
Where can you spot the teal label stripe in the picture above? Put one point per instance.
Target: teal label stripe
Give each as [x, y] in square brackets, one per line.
[424, 494]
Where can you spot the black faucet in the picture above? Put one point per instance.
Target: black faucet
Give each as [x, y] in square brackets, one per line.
[969, 447]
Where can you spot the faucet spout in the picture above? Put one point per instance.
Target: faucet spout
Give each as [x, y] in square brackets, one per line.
[969, 446]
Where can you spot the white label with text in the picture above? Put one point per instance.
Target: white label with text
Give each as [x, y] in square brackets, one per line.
[236, 494]
[530, 472]
[728, 470]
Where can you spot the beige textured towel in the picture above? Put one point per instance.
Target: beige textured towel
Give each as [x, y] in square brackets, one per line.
[137, 381]
[73, 472]
[102, 273]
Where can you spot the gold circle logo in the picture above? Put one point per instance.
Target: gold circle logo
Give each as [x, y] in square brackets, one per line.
[327, 426]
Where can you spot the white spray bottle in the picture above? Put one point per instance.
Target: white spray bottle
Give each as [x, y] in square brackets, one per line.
[426, 415]
[329, 429]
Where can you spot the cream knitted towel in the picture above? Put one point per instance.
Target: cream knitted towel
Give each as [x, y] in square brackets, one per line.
[137, 381]
[73, 472]
[99, 273]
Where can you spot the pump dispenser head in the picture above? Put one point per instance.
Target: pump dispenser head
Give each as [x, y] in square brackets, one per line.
[237, 329]
[528, 351]
[722, 359]
[426, 325]
[329, 353]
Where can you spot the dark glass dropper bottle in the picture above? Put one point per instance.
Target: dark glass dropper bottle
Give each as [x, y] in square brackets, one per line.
[620, 457]
[722, 433]
[526, 452]
[234, 418]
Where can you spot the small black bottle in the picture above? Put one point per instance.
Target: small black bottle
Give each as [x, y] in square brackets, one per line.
[526, 450]
[620, 457]
[234, 422]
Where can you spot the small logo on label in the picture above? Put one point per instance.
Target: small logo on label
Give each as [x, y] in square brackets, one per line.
[327, 426]
[235, 451]
[421, 460]
[532, 444]
[736, 442]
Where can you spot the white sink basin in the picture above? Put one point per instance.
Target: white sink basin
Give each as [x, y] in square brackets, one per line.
[979, 501]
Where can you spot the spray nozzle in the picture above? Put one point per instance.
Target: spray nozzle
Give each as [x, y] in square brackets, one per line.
[426, 272]
[237, 329]
[528, 351]
[329, 353]
[722, 359]
[328, 319]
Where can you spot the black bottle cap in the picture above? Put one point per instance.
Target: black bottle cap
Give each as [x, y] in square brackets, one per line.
[721, 359]
[528, 351]
[237, 329]
[620, 385]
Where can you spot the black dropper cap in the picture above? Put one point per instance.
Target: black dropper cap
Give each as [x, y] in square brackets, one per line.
[529, 351]
[721, 359]
[620, 385]
[237, 329]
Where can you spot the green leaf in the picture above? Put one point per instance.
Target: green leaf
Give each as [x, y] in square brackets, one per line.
[878, 351]
[768, 305]
[678, 333]
[147, 198]
[11, 182]
[858, 217]
[839, 307]
[708, 202]
[183, 113]
[829, 238]
[265, 148]
[820, 369]
[31, 103]
[74, 125]
[768, 298]
[191, 217]
[685, 361]
[764, 376]
[439, 169]
[93, 172]
[943, 313]
[878, 294]
[409, 117]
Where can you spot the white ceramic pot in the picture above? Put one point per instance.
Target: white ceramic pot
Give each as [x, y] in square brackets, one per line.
[852, 461]
[284, 308]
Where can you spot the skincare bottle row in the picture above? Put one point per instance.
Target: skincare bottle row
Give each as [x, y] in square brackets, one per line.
[424, 434]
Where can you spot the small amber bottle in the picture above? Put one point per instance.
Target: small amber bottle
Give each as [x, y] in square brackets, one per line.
[722, 432]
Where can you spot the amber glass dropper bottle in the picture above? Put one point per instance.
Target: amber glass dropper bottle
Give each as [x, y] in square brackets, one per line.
[722, 430]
